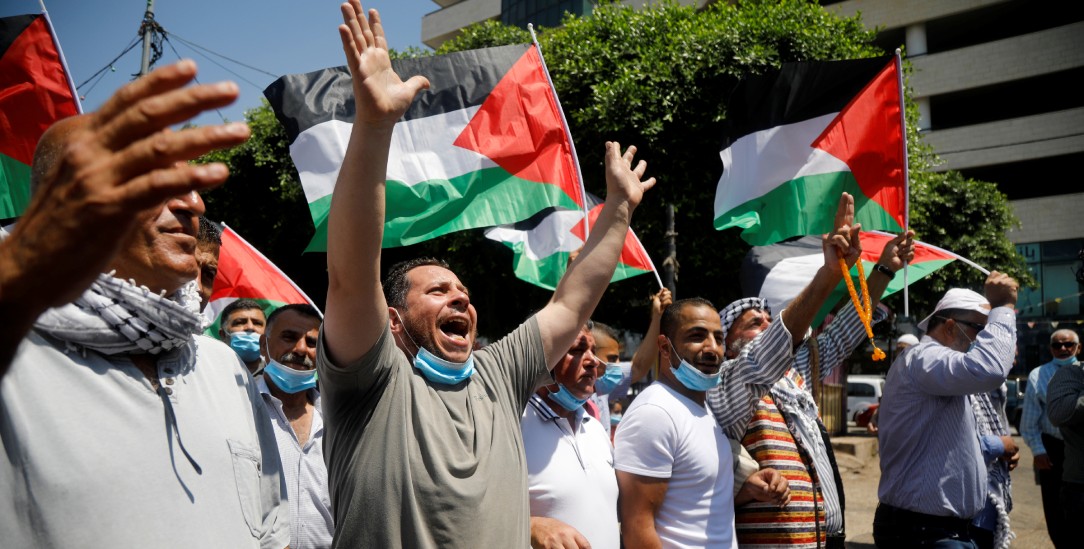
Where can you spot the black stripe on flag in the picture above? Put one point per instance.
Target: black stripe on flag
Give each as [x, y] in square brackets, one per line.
[760, 260]
[11, 28]
[457, 81]
[795, 93]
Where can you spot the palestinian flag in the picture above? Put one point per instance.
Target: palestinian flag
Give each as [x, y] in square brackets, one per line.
[34, 93]
[797, 138]
[243, 272]
[543, 243]
[778, 272]
[485, 145]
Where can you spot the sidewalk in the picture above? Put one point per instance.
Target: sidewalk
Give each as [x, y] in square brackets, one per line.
[859, 467]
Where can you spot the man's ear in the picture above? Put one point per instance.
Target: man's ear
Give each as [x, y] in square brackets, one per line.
[664, 348]
[395, 319]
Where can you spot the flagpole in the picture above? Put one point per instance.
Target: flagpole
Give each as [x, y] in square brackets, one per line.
[63, 60]
[906, 176]
[276, 267]
[568, 133]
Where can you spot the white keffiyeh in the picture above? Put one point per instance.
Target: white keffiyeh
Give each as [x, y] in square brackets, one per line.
[115, 317]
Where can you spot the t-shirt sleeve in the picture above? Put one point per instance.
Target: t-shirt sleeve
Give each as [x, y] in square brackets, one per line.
[644, 444]
[518, 358]
[363, 379]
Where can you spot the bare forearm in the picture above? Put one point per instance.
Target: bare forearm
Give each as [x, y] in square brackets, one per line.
[582, 286]
[355, 231]
[647, 354]
[640, 533]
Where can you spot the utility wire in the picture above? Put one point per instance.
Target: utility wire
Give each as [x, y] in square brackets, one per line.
[165, 38]
[199, 47]
[110, 64]
[220, 65]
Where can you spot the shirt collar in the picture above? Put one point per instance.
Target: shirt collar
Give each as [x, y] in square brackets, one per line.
[548, 414]
[261, 385]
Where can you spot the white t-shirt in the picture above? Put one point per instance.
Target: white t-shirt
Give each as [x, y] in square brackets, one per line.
[570, 474]
[665, 435]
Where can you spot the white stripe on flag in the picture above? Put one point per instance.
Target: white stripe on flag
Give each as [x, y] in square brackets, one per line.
[787, 278]
[761, 161]
[421, 150]
[552, 235]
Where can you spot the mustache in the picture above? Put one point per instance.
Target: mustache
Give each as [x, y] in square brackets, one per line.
[297, 358]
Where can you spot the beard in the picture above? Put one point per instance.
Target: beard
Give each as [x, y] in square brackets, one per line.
[736, 346]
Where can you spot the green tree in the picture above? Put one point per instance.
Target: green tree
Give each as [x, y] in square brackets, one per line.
[657, 77]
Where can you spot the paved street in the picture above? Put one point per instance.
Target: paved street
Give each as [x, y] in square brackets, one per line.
[860, 484]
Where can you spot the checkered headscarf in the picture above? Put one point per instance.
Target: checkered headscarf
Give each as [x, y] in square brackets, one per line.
[731, 312]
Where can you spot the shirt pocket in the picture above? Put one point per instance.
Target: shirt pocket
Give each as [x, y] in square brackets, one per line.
[246, 474]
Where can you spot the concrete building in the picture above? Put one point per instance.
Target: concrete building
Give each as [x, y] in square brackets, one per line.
[995, 81]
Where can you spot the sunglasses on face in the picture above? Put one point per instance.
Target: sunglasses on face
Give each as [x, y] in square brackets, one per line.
[1063, 345]
[973, 325]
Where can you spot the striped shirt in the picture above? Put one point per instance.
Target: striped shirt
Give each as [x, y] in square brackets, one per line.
[311, 521]
[785, 419]
[1034, 422]
[930, 457]
[750, 376]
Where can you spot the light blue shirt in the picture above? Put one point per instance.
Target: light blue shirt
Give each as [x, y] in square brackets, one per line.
[1034, 422]
[930, 457]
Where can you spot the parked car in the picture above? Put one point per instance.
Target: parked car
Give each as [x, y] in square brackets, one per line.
[863, 392]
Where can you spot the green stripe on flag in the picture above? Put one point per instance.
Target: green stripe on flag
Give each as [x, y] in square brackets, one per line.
[484, 198]
[797, 207]
[14, 187]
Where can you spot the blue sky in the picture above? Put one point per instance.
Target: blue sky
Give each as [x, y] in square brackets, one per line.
[277, 36]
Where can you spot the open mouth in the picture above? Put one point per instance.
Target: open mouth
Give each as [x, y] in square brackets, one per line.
[456, 329]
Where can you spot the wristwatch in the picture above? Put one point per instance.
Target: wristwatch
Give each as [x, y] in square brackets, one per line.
[884, 270]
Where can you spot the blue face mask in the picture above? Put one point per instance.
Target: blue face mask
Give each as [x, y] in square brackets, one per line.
[615, 419]
[246, 345]
[609, 381]
[566, 399]
[436, 369]
[1067, 361]
[288, 379]
[692, 378]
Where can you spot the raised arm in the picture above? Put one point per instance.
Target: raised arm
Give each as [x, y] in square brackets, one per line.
[647, 354]
[841, 242]
[93, 175]
[356, 310]
[583, 284]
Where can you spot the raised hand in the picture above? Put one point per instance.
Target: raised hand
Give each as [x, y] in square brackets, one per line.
[623, 180]
[843, 241]
[660, 301]
[380, 96]
[898, 251]
[1001, 290]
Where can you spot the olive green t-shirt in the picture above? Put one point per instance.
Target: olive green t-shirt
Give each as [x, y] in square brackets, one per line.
[413, 464]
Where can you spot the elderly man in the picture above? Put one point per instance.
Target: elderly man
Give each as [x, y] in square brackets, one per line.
[786, 432]
[933, 475]
[288, 387]
[1065, 408]
[1045, 439]
[673, 459]
[423, 437]
[570, 475]
[242, 326]
[112, 403]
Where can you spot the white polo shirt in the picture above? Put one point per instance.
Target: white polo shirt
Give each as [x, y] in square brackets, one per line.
[570, 473]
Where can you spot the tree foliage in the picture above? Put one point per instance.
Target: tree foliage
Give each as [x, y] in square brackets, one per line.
[657, 77]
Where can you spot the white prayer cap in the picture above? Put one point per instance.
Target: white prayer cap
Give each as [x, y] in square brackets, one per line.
[907, 339]
[958, 298]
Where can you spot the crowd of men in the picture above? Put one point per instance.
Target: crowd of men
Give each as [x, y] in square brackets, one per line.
[382, 424]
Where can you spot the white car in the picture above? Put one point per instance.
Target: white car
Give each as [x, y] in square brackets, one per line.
[862, 392]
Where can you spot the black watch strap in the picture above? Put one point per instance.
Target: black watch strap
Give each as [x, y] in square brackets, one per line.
[884, 270]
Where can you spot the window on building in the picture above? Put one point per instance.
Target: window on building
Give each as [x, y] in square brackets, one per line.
[541, 13]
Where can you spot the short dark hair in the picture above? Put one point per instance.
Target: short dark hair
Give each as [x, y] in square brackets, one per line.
[303, 309]
[668, 322]
[396, 284]
[209, 232]
[605, 330]
[240, 305]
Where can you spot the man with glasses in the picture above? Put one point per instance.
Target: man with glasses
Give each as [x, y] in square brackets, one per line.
[1044, 439]
[933, 473]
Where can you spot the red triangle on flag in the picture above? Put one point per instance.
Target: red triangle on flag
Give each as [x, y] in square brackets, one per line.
[520, 128]
[868, 136]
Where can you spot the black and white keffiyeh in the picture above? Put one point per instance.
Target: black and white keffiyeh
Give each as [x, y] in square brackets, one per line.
[989, 422]
[731, 312]
[116, 317]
